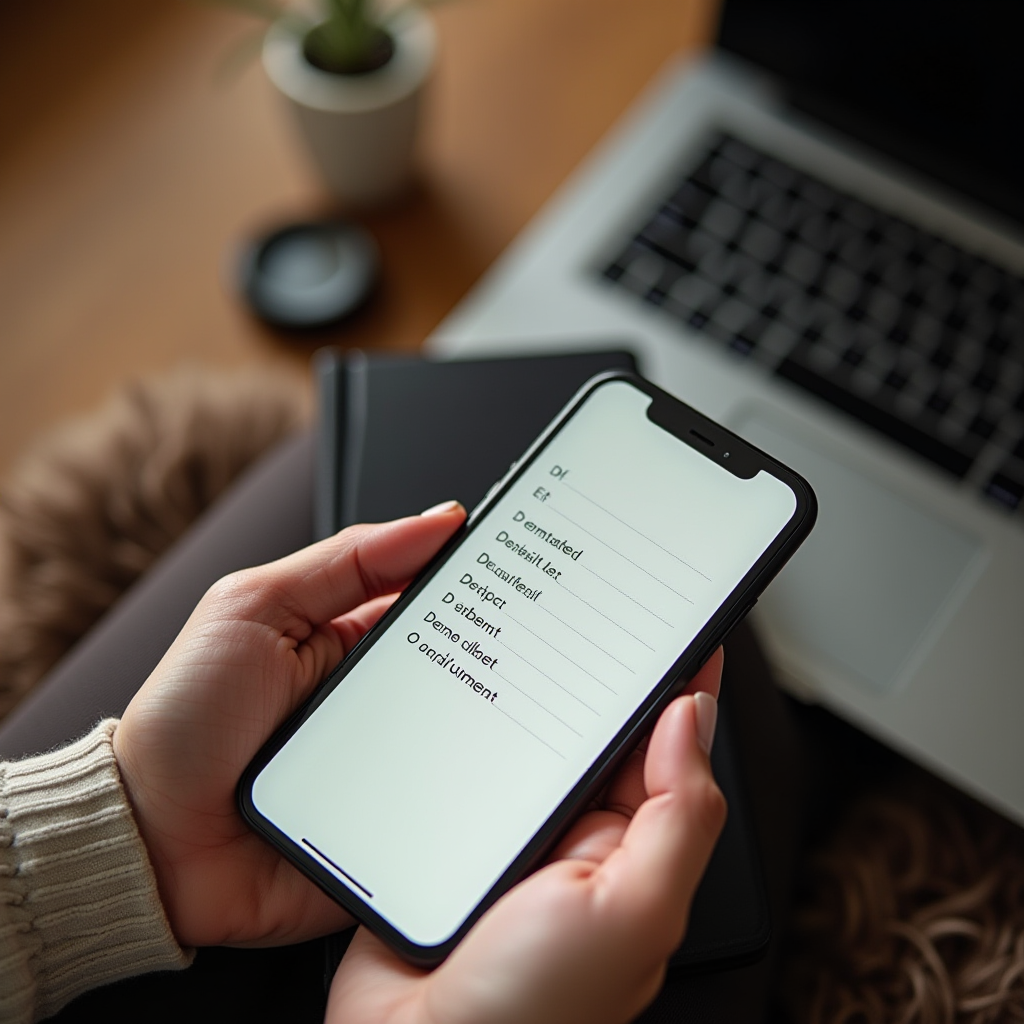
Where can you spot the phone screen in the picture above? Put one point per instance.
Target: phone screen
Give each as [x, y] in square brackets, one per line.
[429, 767]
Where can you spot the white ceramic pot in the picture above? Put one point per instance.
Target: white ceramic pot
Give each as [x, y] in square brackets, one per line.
[360, 129]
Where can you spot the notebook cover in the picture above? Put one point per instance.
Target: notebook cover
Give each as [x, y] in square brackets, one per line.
[398, 434]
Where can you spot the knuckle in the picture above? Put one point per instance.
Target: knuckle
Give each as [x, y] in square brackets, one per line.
[710, 806]
[351, 539]
[243, 591]
[227, 588]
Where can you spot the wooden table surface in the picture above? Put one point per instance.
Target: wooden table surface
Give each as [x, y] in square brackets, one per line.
[130, 171]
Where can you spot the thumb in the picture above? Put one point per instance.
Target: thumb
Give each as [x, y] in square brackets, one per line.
[669, 841]
[328, 579]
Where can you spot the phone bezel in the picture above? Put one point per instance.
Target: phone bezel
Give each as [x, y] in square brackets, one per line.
[695, 430]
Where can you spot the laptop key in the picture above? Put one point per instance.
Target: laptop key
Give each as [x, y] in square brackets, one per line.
[856, 253]
[670, 239]
[816, 232]
[1006, 489]
[700, 244]
[899, 234]
[757, 289]
[739, 152]
[897, 275]
[781, 211]
[723, 219]
[762, 241]
[939, 300]
[776, 341]
[734, 315]
[853, 356]
[779, 174]
[642, 272]
[819, 194]
[896, 379]
[741, 345]
[689, 202]
[1000, 300]
[997, 342]
[824, 359]
[721, 266]
[899, 334]
[705, 177]
[982, 427]
[841, 285]
[803, 264]
[694, 292]
[884, 308]
[942, 357]
[942, 256]
[739, 189]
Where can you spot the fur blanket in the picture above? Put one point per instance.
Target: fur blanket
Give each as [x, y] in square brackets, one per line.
[911, 911]
[91, 506]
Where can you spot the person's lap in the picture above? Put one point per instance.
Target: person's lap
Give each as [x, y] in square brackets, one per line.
[268, 514]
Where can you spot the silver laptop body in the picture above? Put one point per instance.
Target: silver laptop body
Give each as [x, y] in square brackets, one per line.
[904, 613]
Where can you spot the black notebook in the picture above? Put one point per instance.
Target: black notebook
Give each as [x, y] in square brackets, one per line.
[397, 435]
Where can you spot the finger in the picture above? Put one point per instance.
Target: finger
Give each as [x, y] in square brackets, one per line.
[327, 644]
[325, 580]
[709, 678]
[594, 837]
[372, 982]
[625, 793]
[627, 790]
[354, 625]
[666, 847]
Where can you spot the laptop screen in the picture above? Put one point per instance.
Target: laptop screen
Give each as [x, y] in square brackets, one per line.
[938, 85]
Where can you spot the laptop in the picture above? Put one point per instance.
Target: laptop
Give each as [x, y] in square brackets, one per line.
[815, 234]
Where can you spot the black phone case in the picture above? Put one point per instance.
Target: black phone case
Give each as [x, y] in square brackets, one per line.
[706, 437]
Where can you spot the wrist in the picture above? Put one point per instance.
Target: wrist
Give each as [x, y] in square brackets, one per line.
[159, 864]
[81, 885]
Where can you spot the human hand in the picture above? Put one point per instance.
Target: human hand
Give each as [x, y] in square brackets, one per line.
[587, 937]
[253, 649]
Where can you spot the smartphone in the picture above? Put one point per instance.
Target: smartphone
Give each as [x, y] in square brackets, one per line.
[445, 756]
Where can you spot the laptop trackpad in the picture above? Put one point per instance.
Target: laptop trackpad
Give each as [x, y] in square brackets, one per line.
[878, 576]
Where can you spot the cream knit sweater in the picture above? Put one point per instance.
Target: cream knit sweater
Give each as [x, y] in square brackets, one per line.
[78, 899]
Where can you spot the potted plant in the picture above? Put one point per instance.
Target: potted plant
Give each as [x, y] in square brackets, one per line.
[353, 79]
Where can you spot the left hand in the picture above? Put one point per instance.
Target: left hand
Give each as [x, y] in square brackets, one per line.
[253, 649]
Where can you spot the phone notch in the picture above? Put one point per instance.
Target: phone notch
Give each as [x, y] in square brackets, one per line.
[705, 436]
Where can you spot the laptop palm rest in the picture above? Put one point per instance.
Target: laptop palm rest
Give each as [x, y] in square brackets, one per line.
[877, 579]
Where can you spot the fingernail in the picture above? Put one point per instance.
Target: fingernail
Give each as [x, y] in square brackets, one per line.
[706, 708]
[445, 506]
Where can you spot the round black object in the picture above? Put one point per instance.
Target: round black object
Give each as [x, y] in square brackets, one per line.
[309, 275]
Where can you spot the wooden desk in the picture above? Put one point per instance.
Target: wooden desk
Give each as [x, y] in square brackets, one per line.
[128, 173]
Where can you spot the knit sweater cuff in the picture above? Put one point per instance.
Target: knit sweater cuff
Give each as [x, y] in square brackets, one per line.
[83, 908]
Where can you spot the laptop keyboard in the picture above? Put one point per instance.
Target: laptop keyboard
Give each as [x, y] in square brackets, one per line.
[903, 330]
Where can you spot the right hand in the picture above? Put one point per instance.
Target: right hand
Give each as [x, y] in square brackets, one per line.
[585, 939]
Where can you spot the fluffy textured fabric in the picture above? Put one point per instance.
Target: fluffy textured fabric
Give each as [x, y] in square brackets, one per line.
[94, 504]
[913, 912]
